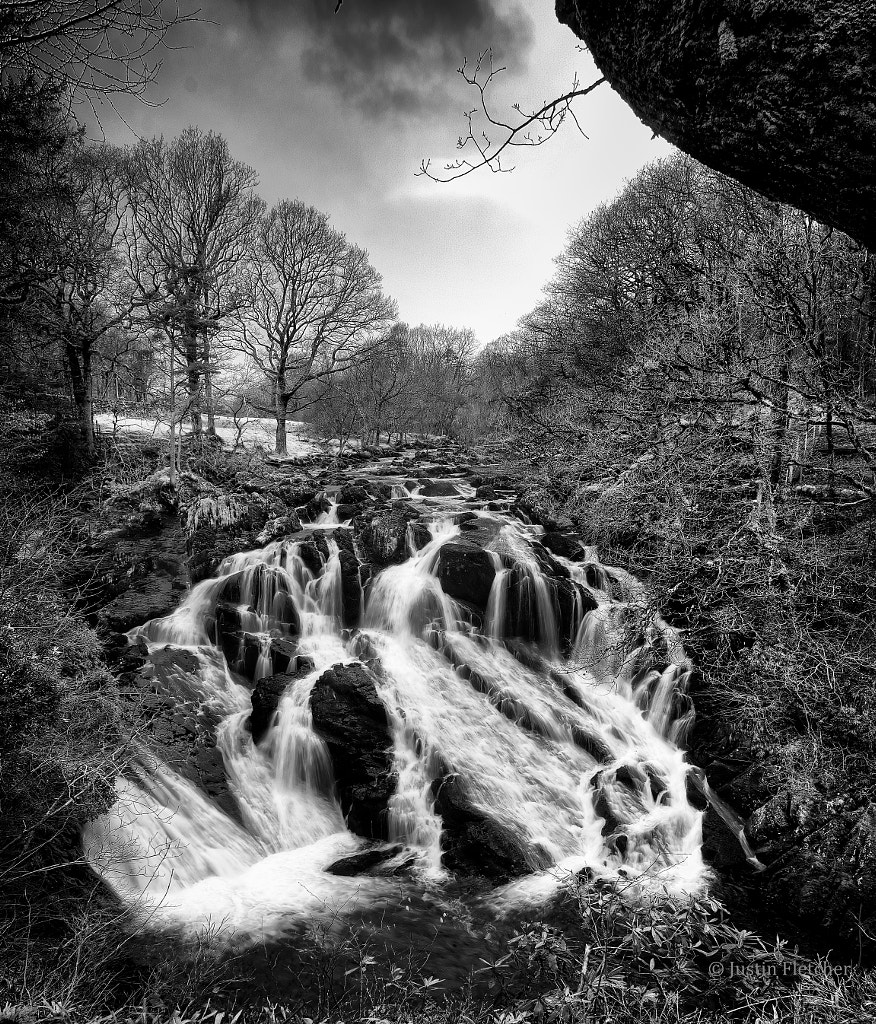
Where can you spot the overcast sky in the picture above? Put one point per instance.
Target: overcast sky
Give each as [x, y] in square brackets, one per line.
[339, 109]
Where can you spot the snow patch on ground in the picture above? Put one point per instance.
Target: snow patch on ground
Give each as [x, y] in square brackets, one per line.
[256, 431]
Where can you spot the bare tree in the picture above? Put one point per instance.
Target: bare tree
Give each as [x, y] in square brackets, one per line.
[315, 306]
[82, 297]
[95, 48]
[193, 210]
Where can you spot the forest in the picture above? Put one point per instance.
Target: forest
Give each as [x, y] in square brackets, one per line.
[357, 670]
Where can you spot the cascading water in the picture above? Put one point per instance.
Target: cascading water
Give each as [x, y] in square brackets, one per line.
[563, 729]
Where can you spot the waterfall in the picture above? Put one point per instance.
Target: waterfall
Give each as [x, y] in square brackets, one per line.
[564, 730]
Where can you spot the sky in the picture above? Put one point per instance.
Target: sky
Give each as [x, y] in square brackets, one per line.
[339, 110]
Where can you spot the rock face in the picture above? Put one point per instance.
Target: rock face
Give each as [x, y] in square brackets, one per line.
[172, 719]
[351, 588]
[351, 719]
[142, 573]
[822, 857]
[775, 93]
[222, 524]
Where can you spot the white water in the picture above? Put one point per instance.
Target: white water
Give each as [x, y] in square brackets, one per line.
[574, 755]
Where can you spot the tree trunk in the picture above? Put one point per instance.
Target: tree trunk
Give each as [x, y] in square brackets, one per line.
[193, 378]
[79, 368]
[86, 422]
[173, 465]
[282, 404]
[208, 388]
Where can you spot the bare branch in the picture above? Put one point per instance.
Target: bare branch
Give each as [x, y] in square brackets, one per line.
[530, 129]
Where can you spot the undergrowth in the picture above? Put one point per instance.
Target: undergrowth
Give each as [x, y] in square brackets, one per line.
[596, 954]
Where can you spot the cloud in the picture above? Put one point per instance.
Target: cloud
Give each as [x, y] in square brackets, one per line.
[393, 56]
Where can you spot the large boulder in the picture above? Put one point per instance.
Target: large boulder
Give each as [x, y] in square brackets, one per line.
[155, 598]
[439, 489]
[383, 536]
[466, 572]
[567, 545]
[775, 93]
[174, 723]
[318, 504]
[352, 494]
[473, 843]
[350, 717]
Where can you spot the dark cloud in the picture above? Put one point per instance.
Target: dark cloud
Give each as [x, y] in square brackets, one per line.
[388, 56]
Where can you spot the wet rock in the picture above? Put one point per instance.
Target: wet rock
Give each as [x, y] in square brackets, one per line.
[367, 860]
[155, 599]
[721, 848]
[470, 614]
[279, 527]
[352, 494]
[313, 553]
[318, 504]
[285, 656]
[265, 701]
[567, 545]
[379, 491]
[297, 494]
[480, 530]
[136, 575]
[383, 536]
[473, 843]
[282, 652]
[342, 537]
[125, 657]
[439, 489]
[572, 603]
[351, 589]
[532, 508]
[351, 719]
[466, 572]
[485, 492]
[346, 512]
[223, 524]
[227, 628]
[419, 534]
[267, 695]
